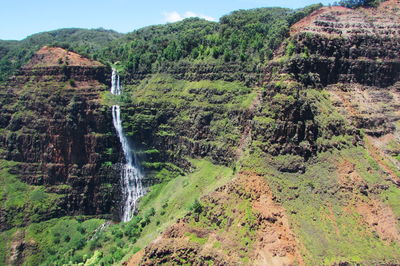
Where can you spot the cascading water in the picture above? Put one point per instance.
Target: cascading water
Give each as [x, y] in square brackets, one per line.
[131, 174]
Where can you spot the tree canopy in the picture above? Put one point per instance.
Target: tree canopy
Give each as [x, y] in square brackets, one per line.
[244, 36]
[358, 3]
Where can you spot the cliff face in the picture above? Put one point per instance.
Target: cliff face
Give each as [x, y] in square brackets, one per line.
[346, 45]
[354, 54]
[324, 134]
[230, 71]
[311, 169]
[60, 136]
[334, 45]
[188, 119]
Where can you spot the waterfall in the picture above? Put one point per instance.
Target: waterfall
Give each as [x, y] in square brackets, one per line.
[131, 174]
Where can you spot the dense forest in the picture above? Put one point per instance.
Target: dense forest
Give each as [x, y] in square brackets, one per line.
[248, 36]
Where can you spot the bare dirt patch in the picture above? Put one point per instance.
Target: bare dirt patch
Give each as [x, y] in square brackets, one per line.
[216, 233]
[56, 56]
[136, 258]
[276, 244]
[378, 216]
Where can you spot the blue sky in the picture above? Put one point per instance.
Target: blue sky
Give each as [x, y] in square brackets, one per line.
[20, 18]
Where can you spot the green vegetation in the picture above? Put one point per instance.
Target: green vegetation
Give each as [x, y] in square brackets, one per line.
[54, 242]
[173, 199]
[318, 125]
[161, 109]
[245, 36]
[165, 203]
[321, 214]
[298, 142]
[194, 238]
[21, 202]
[236, 221]
[14, 54]
[358, 3]
[83, 240]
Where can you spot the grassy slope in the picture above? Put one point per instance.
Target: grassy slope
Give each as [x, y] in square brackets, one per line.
[45, 242]
[323, 216]
[75, 239]
[329, 229]
[173, 200]
[20, 200]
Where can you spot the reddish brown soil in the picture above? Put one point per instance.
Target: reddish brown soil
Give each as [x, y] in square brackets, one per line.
[55, 56]
[379, 157]
[274, 242]
[310, 20]
[376, 111]
[349, 179]
[380, 218]
[135, 259]
[374, 213]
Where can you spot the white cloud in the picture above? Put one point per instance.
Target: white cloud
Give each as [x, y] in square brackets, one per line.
[174, 16]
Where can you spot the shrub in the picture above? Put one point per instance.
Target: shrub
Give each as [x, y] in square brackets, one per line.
[72, 83]
[117, 233]
[290, 49]
[196, 207]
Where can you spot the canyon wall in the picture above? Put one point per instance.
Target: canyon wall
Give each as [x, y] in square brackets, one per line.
[60, 136]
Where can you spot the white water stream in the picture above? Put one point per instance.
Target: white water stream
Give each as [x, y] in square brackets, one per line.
[131, 174]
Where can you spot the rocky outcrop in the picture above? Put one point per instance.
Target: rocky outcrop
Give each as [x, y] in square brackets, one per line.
[376, 112]
[338, 44]
[367, 60]
[183, 119]
[61, 74]
[334, 45]
[55, 127]
[204, 71]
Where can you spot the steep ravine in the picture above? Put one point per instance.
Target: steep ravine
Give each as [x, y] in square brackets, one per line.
[300, 170]
[327, 153]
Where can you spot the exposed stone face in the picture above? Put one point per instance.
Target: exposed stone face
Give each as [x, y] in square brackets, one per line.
[340, 21]
[61, 74]
[201, 71]
[348, 45]
[334, 45]
[366, 60]
[60, 134]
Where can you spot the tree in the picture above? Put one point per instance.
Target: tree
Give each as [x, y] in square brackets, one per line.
[196, 206]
